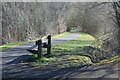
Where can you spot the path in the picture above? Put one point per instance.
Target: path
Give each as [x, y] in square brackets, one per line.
[72, 36]
[11, 54]
[14, 56]
[12, 68]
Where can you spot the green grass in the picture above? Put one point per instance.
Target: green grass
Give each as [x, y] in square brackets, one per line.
[11, 45]
[34, 58]
[85, 36]
[74, 53]
[68, 54]
[62, 35]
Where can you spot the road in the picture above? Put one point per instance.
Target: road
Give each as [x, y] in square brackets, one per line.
[12, 67]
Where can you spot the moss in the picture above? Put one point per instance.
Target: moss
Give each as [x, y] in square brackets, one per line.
[41, 60]
[34, 58]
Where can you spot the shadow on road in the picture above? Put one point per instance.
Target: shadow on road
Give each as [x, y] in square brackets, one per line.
[18, 59]
[87, 72]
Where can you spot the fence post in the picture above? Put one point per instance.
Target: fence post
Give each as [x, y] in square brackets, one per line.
[49, 44]
[39, 48]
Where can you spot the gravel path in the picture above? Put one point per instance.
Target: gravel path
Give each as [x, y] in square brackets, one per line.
[12, 67]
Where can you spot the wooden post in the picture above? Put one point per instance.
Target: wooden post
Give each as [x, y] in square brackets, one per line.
[39, 48]
[49, 44]
[36, 43]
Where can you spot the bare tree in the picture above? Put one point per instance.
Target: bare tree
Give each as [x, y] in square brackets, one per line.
[116, 6]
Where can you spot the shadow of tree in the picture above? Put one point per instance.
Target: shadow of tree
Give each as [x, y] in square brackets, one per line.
[18, 59]
[77, 72]
[86, 72]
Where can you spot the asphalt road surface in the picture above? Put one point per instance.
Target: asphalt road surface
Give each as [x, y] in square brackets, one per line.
[12, 67]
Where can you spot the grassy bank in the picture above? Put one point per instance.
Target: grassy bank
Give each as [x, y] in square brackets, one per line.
[112, 60]
[66, 54]
[71, 53]
[62, 35]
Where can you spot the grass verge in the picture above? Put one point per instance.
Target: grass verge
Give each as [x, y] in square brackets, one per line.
[71, 53]
[62, 35]
[67, 54]
[11, 45]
